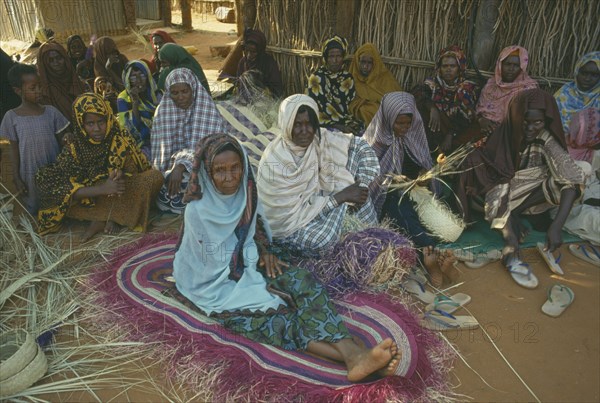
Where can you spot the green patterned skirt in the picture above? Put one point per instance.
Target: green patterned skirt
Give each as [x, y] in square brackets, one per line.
[309, 316]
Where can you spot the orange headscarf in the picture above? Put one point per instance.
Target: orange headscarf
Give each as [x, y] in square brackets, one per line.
[370, 89]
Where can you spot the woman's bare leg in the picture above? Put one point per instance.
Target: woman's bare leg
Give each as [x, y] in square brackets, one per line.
[360, 361]
[92, 229]
[430, 261]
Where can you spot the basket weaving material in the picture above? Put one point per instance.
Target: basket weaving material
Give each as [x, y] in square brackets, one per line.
[435, 215]
[22, 362]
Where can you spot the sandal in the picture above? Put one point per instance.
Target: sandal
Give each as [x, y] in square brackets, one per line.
[591, 255]
[448, 304]
[559, 298]
[439, 320]
[550, 260]
[415, 286]
[478, 263]
[522, 274]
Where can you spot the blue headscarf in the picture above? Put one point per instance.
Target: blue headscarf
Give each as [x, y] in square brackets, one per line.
[216, 264]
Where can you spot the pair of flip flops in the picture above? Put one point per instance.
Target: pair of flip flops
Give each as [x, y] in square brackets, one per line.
[589, 253]
[438, 315]
[521, 273]
[559, 298]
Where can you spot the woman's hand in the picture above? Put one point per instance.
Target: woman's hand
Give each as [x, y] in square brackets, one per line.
[487, 126]
[435, 119]
[446, 144]
[175, 179]
[112, 60]
[134, 91]
[272, 265]
[20, 185]
[353, 194]
[67, 138]
[115, 184]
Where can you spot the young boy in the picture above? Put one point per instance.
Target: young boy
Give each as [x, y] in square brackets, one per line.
[33, 131]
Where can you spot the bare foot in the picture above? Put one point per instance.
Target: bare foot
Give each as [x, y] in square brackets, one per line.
[92, 229]
[111, 228]
[390, 369]
[430, 261]
[370, 361]
[446, 261]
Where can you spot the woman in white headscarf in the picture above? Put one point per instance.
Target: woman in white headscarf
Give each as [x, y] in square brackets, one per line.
[309, 177]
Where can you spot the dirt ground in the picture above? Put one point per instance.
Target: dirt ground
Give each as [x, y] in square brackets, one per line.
[517, 347]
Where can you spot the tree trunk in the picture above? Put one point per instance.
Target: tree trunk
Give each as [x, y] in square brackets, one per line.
[129, 7]
[165, 12]
[186, 14]
[484, 35]
[344, 20]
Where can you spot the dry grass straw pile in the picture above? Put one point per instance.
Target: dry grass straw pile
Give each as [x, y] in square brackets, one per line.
[39, 280]
[556, 33]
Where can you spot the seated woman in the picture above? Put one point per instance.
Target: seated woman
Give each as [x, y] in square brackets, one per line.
[397, 136]
[157, 39]
[309, 179]
[109, 62]
[524, 168]
[510, 78]
[173, 56]
[264, 69]
[137, 103]
[332, 88]
[224, 267]
[101, 177]
[447, 102]
[583, 142]
[185, 114]
[372, 81]
[577, 96]
[77, 50]
[58, 81]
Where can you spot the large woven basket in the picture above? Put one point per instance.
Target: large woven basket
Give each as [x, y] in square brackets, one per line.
[435, 215]
[22, 362]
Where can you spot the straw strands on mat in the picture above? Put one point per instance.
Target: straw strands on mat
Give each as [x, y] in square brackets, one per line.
[556, 33]
[39, 303]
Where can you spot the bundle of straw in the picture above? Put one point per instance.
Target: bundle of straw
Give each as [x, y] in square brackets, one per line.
[434, 214]
[446, 165]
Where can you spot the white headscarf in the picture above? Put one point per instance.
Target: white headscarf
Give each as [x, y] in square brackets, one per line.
[295, 183]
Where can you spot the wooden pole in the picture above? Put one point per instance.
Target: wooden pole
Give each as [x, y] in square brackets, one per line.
[344, 20]
[239, 16]
[400, 61]
[186, 14]
[165, 12]
[130, 17]
[484, 35]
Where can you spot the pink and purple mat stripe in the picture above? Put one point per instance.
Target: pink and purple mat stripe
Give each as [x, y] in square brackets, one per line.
[132, 285]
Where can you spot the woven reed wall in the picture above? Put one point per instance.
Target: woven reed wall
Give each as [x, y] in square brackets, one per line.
[409, 33]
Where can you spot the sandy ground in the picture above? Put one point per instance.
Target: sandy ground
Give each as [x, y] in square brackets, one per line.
[558, 359]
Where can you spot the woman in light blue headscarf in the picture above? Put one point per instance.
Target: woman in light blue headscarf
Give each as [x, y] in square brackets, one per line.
[223, 265]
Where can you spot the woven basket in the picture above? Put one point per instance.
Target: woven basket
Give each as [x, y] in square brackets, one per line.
[435, 215]
[22, 362]
[17, 348]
